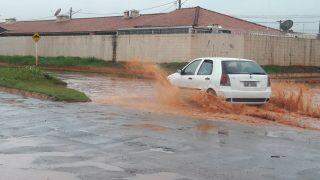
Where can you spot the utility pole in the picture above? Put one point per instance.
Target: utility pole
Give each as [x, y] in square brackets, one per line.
[179, 4]
[280, 22]
[70, 13]
[319, 31]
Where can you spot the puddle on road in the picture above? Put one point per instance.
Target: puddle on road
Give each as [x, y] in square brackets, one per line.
[292, 104]
[19, 174]
[158, 176]
[24, 169]
[163, 150]
[151, 127]
[205, 127]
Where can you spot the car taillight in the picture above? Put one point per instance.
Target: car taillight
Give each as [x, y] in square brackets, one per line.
[269, 82]
[225, 80]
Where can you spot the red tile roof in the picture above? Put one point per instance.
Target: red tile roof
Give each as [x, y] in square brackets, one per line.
[184, 17]
[206, 17]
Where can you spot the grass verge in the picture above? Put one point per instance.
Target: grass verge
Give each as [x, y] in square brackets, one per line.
[291, 69]
[61, 62]
[34, 80]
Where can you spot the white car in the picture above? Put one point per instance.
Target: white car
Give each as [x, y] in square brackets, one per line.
[236, 80]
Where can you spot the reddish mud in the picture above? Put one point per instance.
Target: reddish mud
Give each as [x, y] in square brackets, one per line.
[291, 104]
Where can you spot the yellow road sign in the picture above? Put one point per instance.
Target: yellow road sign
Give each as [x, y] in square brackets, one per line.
[36, 37]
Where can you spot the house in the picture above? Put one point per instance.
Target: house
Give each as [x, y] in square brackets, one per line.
[185, 20]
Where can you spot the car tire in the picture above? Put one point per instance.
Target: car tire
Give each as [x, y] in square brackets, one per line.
[211, 92]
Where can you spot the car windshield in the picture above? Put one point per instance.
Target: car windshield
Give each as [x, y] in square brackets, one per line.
[241, 67]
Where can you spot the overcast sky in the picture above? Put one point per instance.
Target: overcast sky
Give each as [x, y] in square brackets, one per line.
[38, 9]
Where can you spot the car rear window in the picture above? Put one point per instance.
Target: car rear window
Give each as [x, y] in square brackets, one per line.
[241, 67]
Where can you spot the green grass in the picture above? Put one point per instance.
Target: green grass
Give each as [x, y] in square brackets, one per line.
[59, 61]
[173, 67]
[34, 80]
[291, 69]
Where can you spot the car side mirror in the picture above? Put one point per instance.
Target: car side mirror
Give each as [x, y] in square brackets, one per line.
[179, 71]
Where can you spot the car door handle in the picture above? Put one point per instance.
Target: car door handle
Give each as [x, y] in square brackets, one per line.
[190, 78]
[207, 79]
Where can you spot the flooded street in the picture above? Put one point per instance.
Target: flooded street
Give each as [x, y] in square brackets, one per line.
[127, 133]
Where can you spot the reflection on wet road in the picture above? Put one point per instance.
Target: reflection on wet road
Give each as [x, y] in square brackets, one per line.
[62, 141]
[110, 90]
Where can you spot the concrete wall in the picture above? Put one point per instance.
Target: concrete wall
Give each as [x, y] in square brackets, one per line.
[218, 45]
[154, 48]
[181, 47]
[78, 46]
[267, 50]
[285, 51]
[16, 46]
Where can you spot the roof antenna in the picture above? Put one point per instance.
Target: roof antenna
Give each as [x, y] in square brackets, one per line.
[286, 25]
[58, 11]
[72, 12]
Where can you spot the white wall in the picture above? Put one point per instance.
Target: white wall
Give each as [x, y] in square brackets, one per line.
[267, 50]
[217, 45]
[79, 46]
[154, 48]
[272, 50]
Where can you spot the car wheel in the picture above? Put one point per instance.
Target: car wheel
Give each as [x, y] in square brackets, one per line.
[211, 92]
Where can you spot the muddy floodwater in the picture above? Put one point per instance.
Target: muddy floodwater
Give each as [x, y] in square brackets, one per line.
[125, 133]
[158, 97]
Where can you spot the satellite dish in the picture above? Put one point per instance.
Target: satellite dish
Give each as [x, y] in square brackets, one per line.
[57, 12]
[286, 25]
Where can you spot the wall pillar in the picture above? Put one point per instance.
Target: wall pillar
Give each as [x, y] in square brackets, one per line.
[114, 48]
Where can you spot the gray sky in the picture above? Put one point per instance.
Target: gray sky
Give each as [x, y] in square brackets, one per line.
[39, 9]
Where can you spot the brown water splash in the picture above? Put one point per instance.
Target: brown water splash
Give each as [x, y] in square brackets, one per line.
[289, 103]
[295, 97]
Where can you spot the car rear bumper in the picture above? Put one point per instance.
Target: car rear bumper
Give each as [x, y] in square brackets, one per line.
[245, 97]
[248, 100]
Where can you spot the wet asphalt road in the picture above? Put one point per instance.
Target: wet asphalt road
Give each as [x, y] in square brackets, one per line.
[61, 141]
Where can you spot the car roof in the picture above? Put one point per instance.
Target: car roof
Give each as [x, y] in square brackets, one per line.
[225, 59]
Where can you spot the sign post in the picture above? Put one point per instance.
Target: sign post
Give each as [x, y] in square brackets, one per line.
[36, 37]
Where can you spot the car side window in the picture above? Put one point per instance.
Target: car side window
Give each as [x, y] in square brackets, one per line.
[191, 68]
[206, 68]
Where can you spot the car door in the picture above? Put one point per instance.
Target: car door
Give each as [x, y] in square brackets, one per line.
[188, 74]
[204, 76]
